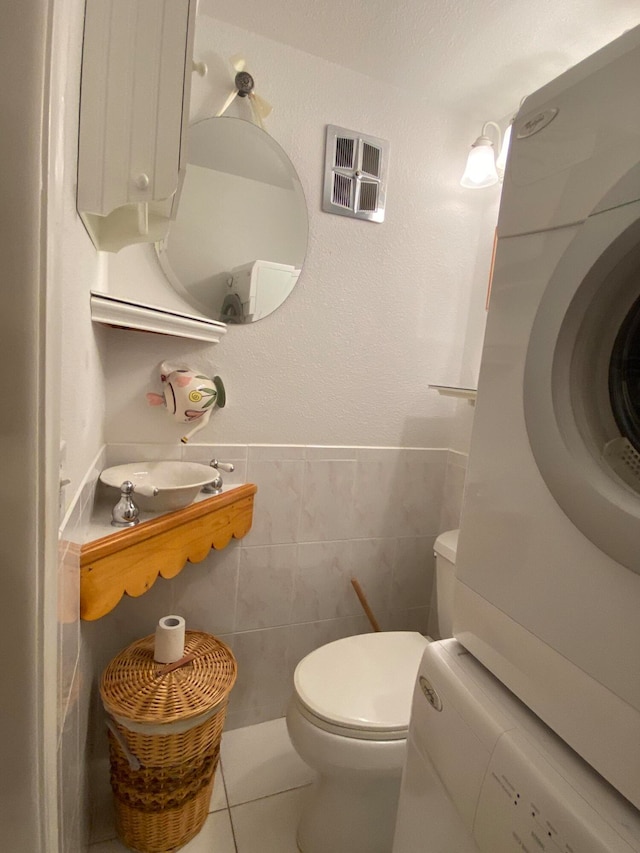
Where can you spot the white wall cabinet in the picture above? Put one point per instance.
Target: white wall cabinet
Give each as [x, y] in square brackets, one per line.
[134, 113]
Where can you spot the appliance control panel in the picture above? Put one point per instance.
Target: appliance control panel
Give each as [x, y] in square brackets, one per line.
[527, 806]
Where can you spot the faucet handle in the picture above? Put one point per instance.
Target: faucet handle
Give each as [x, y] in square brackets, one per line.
[222, 466]
[146, 489]
[215, 486]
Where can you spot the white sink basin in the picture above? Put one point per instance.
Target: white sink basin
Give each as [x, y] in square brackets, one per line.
[178, 483]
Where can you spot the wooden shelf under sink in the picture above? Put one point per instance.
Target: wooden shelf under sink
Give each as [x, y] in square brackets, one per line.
[130, 560]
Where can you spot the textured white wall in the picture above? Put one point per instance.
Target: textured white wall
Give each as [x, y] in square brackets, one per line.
[468, 54]
[379, 310]
[82, 395]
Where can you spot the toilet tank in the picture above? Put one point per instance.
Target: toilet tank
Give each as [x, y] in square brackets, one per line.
[445, 549]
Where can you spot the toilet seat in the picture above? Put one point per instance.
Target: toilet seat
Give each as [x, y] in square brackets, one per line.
[352, 732]
[361, 687]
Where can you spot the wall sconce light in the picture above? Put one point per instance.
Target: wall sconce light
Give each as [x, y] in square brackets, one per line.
[481, 163]
[501, 160]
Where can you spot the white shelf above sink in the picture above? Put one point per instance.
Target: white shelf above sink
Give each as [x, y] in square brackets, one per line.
[469, 394]
[113, 311]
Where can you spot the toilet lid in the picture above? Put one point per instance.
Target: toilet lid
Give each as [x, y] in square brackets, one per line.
[363, 682]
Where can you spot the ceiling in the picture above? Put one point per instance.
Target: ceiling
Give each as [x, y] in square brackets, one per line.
[480, 56]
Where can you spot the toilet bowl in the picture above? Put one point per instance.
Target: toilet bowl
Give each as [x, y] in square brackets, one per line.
[348, 720]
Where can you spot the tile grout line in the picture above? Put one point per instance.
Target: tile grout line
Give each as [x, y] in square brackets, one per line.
[228, 806]
[267, 796]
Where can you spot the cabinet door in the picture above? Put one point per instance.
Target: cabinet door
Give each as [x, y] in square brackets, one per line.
[136, 76]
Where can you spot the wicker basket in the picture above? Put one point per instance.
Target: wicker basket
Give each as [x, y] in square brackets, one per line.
[164, 739]
[153, 832]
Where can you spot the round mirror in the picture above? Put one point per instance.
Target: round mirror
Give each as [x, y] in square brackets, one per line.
[236, 247]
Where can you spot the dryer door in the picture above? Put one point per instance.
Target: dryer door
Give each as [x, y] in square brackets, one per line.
[582, 383]
[548, 562]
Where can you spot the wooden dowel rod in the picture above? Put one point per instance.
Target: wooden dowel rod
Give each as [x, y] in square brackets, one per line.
[176, 664]
[365, 605]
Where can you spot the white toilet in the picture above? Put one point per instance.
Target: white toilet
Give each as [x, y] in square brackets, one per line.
[348, 720]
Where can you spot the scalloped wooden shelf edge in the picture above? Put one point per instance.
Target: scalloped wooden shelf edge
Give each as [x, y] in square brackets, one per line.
[131, 560]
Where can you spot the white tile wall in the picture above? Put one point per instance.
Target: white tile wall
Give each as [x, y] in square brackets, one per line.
[264, 674]
[327, 506]
[323, 590]
[209, 593]
[265, 586]
[307, 636]
[375, 507]
[280, 478]
[322, 516]
[372, 562]
[412, 574]
[234, 453]
[453, 492]
[74, 675]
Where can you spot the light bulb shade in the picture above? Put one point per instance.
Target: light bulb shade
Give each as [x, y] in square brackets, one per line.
[501, 160]
[481, 166]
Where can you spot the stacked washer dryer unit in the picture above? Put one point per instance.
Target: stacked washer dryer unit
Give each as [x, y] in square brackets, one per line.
[548, 564]
[484, 775]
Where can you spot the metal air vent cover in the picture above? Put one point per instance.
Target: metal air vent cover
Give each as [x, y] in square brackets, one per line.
[355, 174]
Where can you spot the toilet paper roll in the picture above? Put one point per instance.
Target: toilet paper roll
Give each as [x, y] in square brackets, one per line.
[169, 644]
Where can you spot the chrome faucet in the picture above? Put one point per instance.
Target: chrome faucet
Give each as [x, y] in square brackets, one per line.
[125, 513]
[215, 486]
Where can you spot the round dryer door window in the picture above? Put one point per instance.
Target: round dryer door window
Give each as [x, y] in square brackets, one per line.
[624, 392]
[582, 383]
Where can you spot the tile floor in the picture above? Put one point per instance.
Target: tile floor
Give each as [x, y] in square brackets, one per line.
[258, 792]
